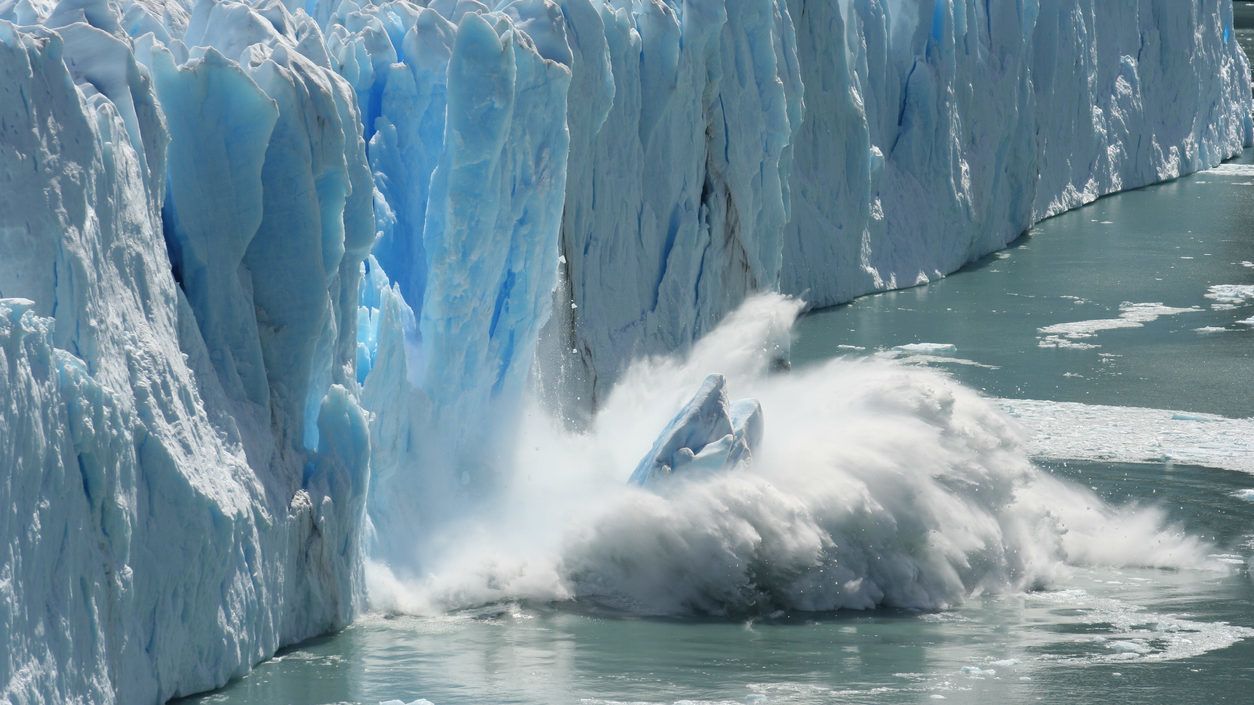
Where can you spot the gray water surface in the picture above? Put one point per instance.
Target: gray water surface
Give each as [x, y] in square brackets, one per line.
[1164, 244]
[1114, 636]
[1069, 646]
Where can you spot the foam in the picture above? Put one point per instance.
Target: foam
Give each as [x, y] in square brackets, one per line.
[1117, 631]
[877, 484]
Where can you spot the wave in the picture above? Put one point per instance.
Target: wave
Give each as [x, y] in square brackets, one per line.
[877, 485]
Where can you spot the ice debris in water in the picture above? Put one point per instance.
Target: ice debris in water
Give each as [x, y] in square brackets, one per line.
[1131, 315]
[707, 434]
[1230, 296]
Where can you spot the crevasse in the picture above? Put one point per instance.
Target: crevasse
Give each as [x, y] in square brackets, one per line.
[277, 276]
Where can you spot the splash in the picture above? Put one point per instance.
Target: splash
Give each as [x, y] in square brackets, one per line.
[876, 484]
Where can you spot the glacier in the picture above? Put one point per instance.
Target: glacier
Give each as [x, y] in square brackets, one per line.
[278, 278]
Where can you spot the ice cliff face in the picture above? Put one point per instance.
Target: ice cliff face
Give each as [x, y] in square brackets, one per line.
[932, 133]
[257, 257]
[184, 461]
[934, 137]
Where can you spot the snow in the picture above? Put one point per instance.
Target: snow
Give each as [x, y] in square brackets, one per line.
[265, 269]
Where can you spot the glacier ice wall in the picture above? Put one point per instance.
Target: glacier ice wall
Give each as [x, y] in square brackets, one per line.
[184, 460]
[269, 265]
[946, 134]
[470, 166]
[932, 133]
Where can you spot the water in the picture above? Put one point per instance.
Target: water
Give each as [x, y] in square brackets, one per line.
[1243, 19]
[1063, 645]
[1121, 635]
[1163, 244]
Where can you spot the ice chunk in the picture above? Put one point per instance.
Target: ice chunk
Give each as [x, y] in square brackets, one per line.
[707, 434]
[1227, 296]
[1131, 315]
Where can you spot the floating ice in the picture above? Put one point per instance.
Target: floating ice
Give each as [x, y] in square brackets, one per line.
[926, 347]
[1229, 296]
[1232, 170]
[928, 354]
[1072, 431]
[1131, 315]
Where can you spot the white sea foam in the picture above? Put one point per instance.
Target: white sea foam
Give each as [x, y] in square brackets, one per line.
[927, 354]
[1115, 630]
[877, 484]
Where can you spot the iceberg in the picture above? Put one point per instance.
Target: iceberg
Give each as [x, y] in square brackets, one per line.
[277, 278]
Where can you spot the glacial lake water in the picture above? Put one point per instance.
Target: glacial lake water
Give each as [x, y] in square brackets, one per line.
[1149, 258]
